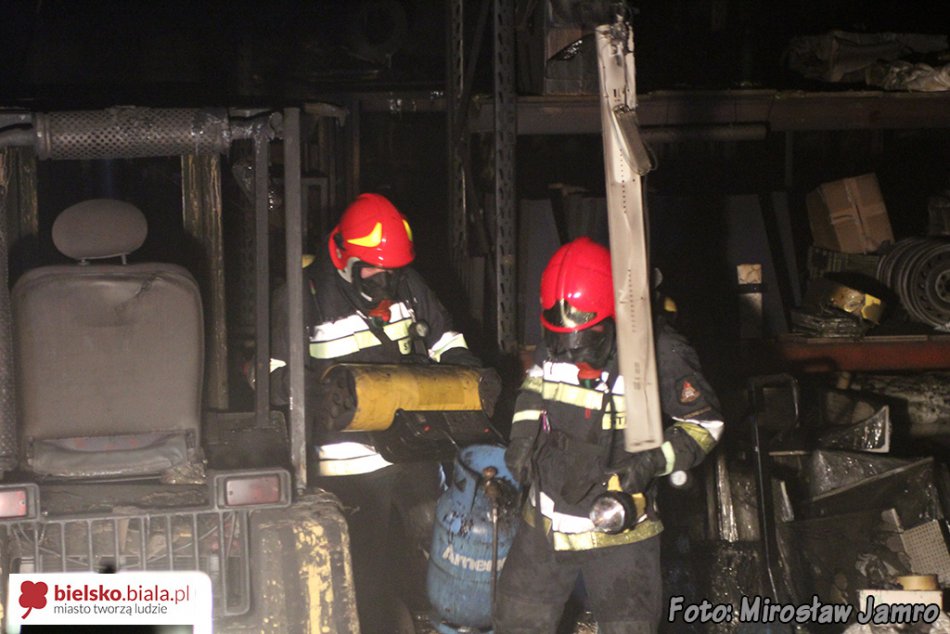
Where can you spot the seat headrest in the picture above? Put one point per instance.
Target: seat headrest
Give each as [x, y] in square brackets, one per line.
[99, 228]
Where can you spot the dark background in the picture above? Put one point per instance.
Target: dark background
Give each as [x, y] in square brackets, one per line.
[99, 53]
[63, 54]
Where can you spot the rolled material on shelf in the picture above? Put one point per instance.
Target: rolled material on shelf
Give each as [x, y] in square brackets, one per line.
[366, 397]
[918, 270]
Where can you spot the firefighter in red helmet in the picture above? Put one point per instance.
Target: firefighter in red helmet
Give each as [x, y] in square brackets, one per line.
[370, 246]
[364, 304]
[566, 448]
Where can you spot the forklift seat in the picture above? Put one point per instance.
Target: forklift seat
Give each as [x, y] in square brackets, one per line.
[109, 356]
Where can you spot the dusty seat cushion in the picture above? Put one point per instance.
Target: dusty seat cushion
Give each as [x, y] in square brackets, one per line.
[107, 456]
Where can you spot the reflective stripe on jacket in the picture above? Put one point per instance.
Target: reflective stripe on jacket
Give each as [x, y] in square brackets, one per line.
[553, 405]
[350, 334]
[349, 458]
[589, 539]
[338, 331]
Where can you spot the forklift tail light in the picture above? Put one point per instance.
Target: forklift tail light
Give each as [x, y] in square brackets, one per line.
[252, 489]
[18, 501]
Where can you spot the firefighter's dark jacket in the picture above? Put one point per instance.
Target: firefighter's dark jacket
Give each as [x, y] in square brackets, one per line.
[577, 435]
[338, 329]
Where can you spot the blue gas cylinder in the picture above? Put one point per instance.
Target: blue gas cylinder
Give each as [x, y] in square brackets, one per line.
[459, 579]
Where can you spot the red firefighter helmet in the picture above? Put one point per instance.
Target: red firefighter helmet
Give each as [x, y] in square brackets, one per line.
[371, 231]
[577, 289]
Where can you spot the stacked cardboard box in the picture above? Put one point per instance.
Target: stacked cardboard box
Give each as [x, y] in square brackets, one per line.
[849, 215]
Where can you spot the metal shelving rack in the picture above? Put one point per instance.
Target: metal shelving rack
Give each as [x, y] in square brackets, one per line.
[664, 116]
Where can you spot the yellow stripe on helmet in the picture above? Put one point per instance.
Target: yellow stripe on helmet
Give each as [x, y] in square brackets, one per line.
[372, 239]
[408, 230]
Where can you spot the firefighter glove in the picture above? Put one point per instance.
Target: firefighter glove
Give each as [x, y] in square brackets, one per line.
[489, 389]
[518, 458]
[460, 355]
[319, 396]
[640, 468]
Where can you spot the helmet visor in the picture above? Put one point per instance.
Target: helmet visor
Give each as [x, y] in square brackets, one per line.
[563, 315]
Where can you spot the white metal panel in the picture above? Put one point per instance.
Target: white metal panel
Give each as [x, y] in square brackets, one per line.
[628, 247]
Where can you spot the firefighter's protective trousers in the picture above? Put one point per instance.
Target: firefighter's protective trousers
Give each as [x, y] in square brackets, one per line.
[623, 584]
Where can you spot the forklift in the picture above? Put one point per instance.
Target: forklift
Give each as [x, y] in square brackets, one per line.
[119, 450]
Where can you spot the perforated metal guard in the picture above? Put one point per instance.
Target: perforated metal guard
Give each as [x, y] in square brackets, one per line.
[927, 548]
[8, 437]
[215, 542]
[131, 132]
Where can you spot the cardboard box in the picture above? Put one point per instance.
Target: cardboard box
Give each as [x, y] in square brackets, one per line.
[849, 215]
[556, 54]
[912, 600]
